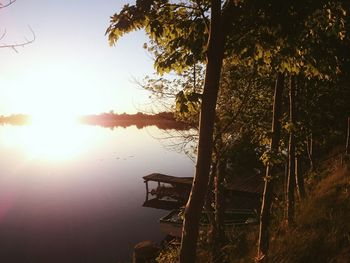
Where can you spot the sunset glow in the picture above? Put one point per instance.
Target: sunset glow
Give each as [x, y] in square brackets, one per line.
[57, 92]
[70, 68]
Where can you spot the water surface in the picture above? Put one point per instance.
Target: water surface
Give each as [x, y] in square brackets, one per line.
[74, 193]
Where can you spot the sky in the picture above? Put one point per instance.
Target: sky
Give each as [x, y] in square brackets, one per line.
[70, 67]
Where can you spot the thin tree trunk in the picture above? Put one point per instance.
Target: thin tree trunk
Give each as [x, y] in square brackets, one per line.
[291, 155]
[263, 242]
[218, 231]
[209, 196]
[194, 78]
[195, 202]
[285, 185]
[309, 148]
[348, 139]
[299, 180]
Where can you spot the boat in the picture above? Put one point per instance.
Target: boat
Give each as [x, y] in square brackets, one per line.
[171, 224]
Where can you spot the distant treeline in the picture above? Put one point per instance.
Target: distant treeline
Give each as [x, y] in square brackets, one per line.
[16, 119]
[162, 120]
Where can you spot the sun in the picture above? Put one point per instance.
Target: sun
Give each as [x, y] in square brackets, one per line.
[54, 95]
[54, 132]
[55, 104]
[58, 93]
[54, 118]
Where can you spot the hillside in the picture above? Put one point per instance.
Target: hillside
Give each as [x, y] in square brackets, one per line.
[321, 233]
[322, 230]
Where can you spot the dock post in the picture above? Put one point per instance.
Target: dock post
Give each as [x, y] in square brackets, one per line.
[146, 190]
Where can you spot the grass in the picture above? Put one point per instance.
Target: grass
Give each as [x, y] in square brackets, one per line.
[322, 229]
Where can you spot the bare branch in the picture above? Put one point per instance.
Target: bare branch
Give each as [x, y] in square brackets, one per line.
[6, 5]
[3, 35]
[181, 6]
[17, 45]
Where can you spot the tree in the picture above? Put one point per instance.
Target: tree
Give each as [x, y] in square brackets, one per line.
[271, 38]
[131, 18]
[215, 54]
[308, 27]
[263, 245]
[291, 153]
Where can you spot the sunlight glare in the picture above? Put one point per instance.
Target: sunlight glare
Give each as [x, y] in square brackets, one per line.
[53, 119]
[50, 142]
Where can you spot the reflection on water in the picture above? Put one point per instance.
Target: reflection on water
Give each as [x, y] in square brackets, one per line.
[74, 193]
[49, 142]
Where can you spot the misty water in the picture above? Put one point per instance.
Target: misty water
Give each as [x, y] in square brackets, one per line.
[75, 193]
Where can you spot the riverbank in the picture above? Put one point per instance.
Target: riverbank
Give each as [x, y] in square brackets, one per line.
[321, 232]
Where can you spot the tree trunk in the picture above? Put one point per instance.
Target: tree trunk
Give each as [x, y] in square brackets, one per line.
[195, 202]
[209, 196]
[309, 149]
[299, 180]
[218, 230]
[291, 155]
[285, 185]
[348, 139]
[263, 242]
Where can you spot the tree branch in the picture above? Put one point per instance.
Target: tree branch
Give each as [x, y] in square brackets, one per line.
[3, 35]
[16, 45]
[6, 5]
[202, 11]
[198, 7]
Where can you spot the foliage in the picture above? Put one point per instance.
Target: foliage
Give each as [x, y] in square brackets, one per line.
[170, 251]
[168, 254]
[306, 39]
[181, 95]
[243, 158]
[297, 37]
[177, 31]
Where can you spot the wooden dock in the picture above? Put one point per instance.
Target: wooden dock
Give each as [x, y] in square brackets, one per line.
[171, 191]
[173, 180]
